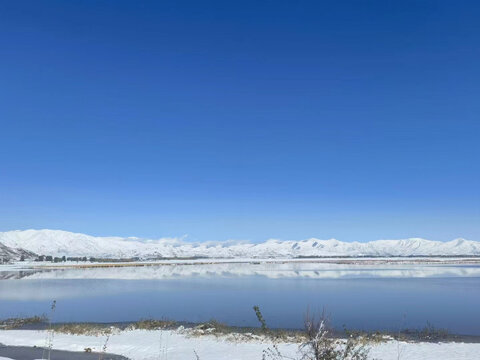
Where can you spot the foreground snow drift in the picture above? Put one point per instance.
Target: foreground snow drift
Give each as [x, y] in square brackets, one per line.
[174, 345]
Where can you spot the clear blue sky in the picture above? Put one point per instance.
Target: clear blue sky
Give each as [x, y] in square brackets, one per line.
[357, 120]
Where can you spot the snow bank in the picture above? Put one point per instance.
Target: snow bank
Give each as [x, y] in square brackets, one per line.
[174, 345]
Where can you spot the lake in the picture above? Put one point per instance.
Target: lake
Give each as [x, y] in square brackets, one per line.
[376, 297]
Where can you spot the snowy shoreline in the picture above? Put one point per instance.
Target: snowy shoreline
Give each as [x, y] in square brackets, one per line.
[426, 260]
[181, 345]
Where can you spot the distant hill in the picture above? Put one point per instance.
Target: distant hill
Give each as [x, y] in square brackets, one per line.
[10, 254]
[63, 243]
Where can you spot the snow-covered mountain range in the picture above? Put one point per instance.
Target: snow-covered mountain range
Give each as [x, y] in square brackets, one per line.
[63, 243]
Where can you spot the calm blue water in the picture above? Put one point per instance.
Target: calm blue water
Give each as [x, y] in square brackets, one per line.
[369, 303]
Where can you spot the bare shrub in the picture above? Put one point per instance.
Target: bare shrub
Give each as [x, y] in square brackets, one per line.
[320, 345]
[104, 348]
[50, 333]
[432, 334]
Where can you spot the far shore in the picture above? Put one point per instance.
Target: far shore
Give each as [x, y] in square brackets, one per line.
[107, 263]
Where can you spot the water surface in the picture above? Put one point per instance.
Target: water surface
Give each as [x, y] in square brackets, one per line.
[387, 297]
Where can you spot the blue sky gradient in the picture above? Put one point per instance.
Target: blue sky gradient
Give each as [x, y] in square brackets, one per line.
[357, 120]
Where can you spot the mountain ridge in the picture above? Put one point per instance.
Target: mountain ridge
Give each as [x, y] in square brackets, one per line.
[8, 253]
[64, 243]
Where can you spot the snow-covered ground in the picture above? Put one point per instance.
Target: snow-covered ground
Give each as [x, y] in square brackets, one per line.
[176, 345]
[63, 243]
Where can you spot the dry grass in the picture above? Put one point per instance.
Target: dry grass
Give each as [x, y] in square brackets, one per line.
[219, 329]
[16, 323]
[85, 329]
[151, 324]
[242, 334]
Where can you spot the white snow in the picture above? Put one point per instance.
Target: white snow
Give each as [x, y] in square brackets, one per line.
[60, 243]
[8, 253]
[176, 345]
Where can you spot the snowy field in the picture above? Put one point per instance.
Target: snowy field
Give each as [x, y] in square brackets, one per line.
[178, 345]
